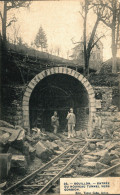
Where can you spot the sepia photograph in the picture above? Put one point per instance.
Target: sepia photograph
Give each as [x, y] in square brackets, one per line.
[59, 97]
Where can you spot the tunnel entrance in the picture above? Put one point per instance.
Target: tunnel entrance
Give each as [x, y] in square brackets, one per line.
[58, 92]
[58, 88]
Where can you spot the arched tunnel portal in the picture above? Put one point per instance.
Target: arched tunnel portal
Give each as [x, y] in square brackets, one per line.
[58, 89]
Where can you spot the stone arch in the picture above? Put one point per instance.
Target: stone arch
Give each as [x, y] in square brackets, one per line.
[56, 70]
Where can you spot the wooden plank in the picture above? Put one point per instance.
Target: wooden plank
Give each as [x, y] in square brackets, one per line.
[100, 140]
[46, 174]
[33, 186]
[52, 170]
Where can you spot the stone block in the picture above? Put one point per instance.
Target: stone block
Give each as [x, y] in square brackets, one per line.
[52, 71]
[27, 94]
[90, 158]
[31, 151]
[5, 164]
[51, 136]
[116, 134]
[51, 145]
[92, 146]
[26, 124]
[92, 109]
[85, 171]
[56, 70]
[115, 161]
[61, 69]
[92, 99]
[29, 90]
[84, 80]
[100, 145]
[4, 138]
[19, 163]
[100, 153]
[80, 77]
[101, 166]
[33, 82]
[110, 145]
[69, 71]
[42, 152]
[86, 84]
[26, 99]
[64, 70]
[92, 104]
[37, 79]
[96, 165]
[25, 103]
[106, 159]
[48, 72]
[5, 124]
[19, 141]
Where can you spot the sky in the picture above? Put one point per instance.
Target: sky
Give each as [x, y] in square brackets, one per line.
[61, 22]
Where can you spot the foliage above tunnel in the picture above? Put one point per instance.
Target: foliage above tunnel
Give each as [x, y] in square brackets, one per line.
[105, 77]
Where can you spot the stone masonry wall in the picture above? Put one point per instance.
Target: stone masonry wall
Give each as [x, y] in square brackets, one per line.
[12, 104]
[108, 112]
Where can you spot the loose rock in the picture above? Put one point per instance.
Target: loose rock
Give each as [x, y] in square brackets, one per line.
[19, 163]
[5, 124]
[42, 152]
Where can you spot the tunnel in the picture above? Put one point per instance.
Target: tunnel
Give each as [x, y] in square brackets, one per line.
[58, 92]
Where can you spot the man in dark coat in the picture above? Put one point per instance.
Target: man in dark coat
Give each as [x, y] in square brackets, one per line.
[55, 122]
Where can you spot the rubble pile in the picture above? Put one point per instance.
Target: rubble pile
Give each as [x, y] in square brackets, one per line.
[12, 141]
[102, 156]
[24, 148]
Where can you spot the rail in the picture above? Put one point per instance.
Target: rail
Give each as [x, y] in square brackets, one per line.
[67, 158]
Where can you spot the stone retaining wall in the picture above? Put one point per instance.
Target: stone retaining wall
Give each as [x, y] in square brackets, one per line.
[108, 112]
[12, 104]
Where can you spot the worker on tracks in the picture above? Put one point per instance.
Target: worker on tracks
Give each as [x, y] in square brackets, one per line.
[71, 123]
[55, 122]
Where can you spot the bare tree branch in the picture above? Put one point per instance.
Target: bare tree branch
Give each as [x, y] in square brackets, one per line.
[18, 4]
[13, 20]
[107, 24]
[81, 14]
[95, 43]
[74, 41]
[103, 5]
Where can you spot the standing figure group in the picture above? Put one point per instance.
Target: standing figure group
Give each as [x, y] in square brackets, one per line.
[70, 124]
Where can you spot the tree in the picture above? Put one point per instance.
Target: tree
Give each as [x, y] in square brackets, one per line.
[8, 5]
[95, 54]
[41, 39]
[109, 13]
[57, 50]
[88, 46]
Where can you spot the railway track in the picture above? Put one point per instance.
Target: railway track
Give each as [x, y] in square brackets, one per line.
[109, 171]
[41, 180]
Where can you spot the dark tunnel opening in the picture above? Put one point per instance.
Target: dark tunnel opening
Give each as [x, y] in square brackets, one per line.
[58, 92]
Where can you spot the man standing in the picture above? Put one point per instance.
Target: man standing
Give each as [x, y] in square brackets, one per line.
[55, 122]
[71, 123]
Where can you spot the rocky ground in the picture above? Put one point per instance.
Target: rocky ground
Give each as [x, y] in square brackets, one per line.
[30, 152]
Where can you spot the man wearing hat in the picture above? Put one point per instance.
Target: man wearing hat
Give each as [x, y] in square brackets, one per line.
[55, 122]
[71, 123]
